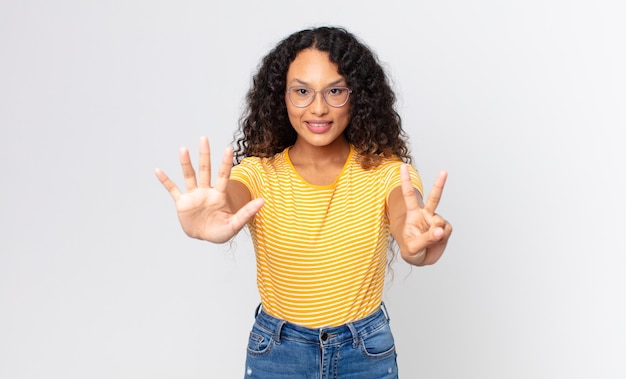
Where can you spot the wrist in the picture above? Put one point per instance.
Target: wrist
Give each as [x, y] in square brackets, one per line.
[415, 259]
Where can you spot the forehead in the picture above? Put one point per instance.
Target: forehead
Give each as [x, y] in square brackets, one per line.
[314, 67]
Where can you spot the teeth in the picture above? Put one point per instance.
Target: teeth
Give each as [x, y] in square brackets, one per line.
[318, 125]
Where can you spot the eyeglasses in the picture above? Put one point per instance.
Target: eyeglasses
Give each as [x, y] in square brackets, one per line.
[303, 96]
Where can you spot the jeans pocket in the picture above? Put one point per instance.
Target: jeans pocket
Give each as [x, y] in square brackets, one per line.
[259, 342]
[379, 343]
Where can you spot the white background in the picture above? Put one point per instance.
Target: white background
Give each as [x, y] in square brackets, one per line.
[523, 102]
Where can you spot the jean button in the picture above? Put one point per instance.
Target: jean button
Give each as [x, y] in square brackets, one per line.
[324, 336]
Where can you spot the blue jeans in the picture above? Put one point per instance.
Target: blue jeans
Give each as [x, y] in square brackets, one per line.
[362, 349]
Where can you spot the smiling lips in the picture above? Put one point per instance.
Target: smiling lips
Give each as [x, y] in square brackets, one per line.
[318, 126]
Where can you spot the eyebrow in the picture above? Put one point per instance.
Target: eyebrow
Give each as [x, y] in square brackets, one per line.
[334, 83]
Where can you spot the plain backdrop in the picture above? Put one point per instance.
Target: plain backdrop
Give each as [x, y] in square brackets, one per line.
[523, 102]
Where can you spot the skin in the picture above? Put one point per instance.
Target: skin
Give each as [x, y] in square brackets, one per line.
[216, 213]
[320, 150]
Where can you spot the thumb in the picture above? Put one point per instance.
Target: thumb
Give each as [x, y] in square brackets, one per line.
[437, 234]
[243, 215]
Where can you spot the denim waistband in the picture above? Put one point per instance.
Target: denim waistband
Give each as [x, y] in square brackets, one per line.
[281, 329]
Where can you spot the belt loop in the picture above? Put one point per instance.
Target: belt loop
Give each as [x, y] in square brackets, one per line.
[355, 335]
[279, 329]
[384, 309]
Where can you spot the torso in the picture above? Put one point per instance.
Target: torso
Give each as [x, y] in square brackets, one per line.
[321, 238]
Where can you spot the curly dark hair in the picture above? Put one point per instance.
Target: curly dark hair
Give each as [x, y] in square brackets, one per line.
[375, 128]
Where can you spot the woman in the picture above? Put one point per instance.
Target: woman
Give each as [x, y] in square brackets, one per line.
[323, 181]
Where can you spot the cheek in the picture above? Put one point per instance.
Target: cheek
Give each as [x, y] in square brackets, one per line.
[345, 115]
[345, 110]
[294, 113]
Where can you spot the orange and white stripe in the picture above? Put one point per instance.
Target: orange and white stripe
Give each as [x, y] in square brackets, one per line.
[321, 250]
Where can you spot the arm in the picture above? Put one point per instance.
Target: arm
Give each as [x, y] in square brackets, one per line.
[421, 234]
[214, 214]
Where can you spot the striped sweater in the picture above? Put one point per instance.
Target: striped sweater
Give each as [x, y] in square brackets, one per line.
[321, 251]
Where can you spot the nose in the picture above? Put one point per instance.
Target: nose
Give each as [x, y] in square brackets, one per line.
[319, 105]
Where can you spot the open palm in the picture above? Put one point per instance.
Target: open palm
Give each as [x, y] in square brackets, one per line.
[204, 211]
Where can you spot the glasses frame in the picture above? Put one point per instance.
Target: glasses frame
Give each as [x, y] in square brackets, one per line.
[315, 91]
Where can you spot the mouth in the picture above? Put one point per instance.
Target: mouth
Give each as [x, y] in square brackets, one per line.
[318, 126]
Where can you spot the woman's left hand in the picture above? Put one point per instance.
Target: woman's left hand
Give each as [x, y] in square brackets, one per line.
[424, 234]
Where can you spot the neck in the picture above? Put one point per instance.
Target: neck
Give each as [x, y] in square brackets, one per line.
[337, 151]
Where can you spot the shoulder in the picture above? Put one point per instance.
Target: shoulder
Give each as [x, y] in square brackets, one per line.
[383, 167]
[261, 164]
[387, 173]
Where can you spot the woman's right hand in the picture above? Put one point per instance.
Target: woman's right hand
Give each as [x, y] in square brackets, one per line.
[205, 212]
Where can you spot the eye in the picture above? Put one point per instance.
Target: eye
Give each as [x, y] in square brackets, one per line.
[301, 91]
[336, 91]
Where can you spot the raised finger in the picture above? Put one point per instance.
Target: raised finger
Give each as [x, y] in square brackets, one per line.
[223, 175]
[205, 163]
[188, 172]
[169, 185]
[435, 194]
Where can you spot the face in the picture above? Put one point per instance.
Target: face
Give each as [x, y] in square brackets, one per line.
[318, 124]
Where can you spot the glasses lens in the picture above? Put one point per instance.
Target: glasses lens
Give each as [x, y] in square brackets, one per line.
[336, 96]
[301, 96]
